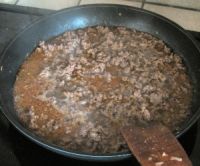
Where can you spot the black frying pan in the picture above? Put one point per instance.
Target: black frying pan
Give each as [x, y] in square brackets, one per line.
[91, 15]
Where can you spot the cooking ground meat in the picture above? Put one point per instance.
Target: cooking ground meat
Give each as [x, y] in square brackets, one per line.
[77, 89]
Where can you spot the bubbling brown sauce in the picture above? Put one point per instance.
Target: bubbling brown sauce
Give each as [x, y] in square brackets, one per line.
[77, 89]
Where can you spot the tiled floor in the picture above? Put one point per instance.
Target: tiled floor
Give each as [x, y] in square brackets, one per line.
[123, 2]
[194, 4]
[184, 12]
[8, 1]
[48, 4]
[186, 18]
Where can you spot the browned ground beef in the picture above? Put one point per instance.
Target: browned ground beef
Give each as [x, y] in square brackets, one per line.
[79, 88]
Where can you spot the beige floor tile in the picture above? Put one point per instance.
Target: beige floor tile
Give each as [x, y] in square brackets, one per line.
[195, 4]
[186, 18]
[123, 2]
[8, 1]
[48, 4]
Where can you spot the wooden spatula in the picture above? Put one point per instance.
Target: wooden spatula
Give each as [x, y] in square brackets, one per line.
[155, 145]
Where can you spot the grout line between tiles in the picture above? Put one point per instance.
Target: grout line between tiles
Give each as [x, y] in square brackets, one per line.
[79, 2]
[16, 2]
[173, 6]
[142, 5]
